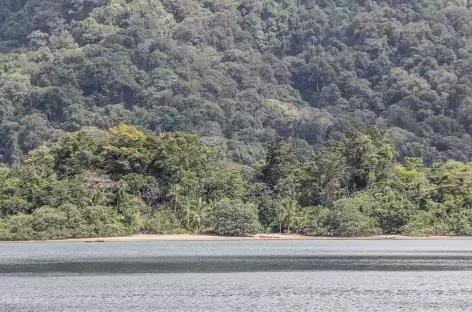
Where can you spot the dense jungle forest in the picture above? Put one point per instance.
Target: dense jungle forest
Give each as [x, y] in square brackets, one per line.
[321, 117]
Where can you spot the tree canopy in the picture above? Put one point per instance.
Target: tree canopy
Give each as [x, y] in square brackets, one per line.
[241, 72]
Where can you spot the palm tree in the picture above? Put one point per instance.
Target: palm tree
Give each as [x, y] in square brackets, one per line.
[98, 198]
[187, 206]
[176, 193]
[198, 211]
[302, 216]
[287, 214]
[121, 197]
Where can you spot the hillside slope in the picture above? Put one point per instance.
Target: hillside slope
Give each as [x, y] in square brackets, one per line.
[239, 72]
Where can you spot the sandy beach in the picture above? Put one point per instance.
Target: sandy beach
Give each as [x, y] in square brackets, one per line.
[190, 237]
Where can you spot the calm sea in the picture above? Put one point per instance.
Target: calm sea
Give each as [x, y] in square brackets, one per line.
[348, 276]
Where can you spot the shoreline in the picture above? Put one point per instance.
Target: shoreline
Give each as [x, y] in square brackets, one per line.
[196, 237]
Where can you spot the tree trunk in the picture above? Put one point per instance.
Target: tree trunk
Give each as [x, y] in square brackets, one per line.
[188, 218]
[175, 211]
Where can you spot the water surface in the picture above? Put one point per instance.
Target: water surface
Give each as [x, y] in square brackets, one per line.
[355, 276]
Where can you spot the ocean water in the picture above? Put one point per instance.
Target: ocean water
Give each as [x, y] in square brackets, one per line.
[342, 275]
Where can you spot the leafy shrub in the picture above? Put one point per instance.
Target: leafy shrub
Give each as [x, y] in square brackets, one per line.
[268, 212]
[434, 221]
[104, 221]
[318, 222]
[49, 223]
[13, 205]
[162, 222]
[461, 222]
[232, 217]
[76, 225]
[131, 213]
[348, 219]
[17, 227]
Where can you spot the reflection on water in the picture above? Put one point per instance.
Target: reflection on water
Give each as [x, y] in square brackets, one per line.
[246, 264]
[237, 276]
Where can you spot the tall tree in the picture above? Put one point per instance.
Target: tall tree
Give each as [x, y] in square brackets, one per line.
[280, 162]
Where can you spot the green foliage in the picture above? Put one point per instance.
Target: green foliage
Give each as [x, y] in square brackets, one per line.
[178, 153]
[268, 212]
[288, 211]
[17, 227]
[232, 217]
[280, 163]
[318, 221]
[76, 224]
[223, 182]
[431, 222]
[131, 213]
[174, 184]
[461, 223]
[198, 213]
[391, 211]
[162, 222]
[300, 108]
[49, 223]
[350, 216]
[241, 72]
[103, 221]
[368, 157]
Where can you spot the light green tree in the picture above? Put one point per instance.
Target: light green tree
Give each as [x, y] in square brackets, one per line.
[288, 213]
[199, 211]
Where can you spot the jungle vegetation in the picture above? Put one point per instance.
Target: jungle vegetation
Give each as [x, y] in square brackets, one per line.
[124, 181]
[324, 117]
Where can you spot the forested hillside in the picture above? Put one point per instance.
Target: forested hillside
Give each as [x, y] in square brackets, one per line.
[239, 72]
[324, 117]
